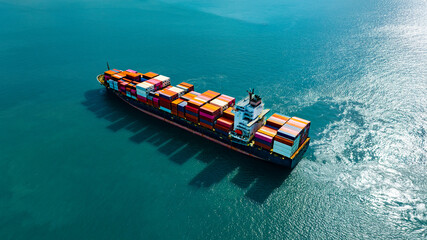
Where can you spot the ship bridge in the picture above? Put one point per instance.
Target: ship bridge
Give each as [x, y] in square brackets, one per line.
[249, 116]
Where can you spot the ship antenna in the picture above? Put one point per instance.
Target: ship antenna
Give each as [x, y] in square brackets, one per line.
[250, 91]
[108, 66]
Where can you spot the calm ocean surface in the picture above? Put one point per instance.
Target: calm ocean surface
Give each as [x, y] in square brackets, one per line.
[77, 163]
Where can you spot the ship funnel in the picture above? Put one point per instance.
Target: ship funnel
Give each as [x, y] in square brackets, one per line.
[251, 92]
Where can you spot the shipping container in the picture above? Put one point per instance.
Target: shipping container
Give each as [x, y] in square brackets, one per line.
[287, 140]
[190, 95]
[150, 75]
[186, 86]
[165, 80]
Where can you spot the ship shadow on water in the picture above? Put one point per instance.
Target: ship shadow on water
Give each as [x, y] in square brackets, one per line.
[259, 179]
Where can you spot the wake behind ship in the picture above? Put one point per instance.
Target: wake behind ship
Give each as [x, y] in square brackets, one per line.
[242, 126]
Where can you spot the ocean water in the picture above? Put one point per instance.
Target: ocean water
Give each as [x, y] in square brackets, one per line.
[77, 163]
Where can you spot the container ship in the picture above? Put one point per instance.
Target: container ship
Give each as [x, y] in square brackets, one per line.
[243, 126]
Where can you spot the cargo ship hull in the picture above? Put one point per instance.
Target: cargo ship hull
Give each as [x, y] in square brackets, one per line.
[249, 149]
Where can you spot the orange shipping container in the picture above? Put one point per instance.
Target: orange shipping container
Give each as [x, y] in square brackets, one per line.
[150, 75]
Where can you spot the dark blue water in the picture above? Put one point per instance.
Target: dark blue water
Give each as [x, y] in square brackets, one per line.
[77, 163]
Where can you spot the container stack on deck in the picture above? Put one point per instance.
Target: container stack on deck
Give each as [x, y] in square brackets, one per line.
[209, 95]
[290, 136]
[209, 113]
[225, 123]
[166, 96]
[122, 86]
[157, 83]
[109, 74]
[132, 90]
[150, 75]
[264, 137]
[179, 91]
[181, 109]
[192, 109]
[174, 106]
[165, 80]
[194, 105]
[227, 99]
[108, 77]
[142, 91]
[181, 105]
[306, 128]
[156, 102]
[133, 75]
[186, 86]
[190, 95]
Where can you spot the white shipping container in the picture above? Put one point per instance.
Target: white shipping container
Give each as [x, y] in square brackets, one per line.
[186, 89]
[283, 150]
[222, 104]
[177, 90]
[286, 154]
[145, 85]
[165, 80]
[283, 146]
[144, 88]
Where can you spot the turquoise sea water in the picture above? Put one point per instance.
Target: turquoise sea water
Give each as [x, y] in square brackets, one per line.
[77, 163]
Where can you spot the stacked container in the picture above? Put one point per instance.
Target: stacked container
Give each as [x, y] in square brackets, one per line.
[142, 91]
[190, 95]
[194, 104]
[225, 123]
[174, 106]
[118, 76]
[222, 104]
[132, 89]
[276, 121]
[150, 97]
[166, 96]
[150, 75]
[128, 87]
[228, 114]
[186, 86]
[133, 75]
[122, 86]
[208, 95]
[208, 114]
[303, 124]
[108, 74]
[192, 109]
[156, 83]
[155, 100]
[288, 137]
[181, 109]
[113, 84]
[229, 100]
[165, 80]
[264, 137]
[179, 91]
